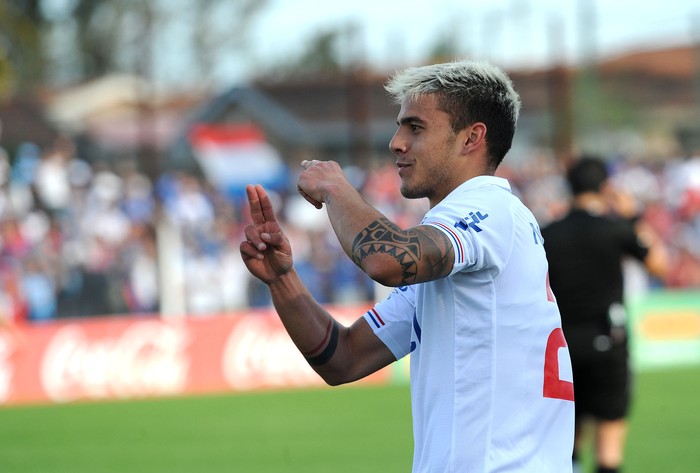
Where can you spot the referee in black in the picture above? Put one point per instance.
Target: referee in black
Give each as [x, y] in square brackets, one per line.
[585, 250]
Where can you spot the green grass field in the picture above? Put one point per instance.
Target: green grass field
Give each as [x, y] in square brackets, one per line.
[349, 429]
[664, 433]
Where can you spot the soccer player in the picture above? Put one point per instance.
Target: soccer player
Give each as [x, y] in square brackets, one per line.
[491, 382]
[585, 251]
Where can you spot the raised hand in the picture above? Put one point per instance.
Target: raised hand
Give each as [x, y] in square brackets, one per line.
[266, 250]
[317, 177]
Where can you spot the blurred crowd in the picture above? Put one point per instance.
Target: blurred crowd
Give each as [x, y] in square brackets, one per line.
[84, 239]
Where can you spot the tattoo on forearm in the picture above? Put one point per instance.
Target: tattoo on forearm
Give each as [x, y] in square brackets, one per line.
[427, 251]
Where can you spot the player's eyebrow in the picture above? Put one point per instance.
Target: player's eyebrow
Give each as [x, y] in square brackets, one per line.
[410, 120]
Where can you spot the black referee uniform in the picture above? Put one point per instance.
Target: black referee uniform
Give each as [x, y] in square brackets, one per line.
[585, 253]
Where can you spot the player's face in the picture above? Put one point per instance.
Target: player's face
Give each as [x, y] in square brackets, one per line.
[425, 147]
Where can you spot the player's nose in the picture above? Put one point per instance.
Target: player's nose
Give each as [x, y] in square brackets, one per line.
[397, 144]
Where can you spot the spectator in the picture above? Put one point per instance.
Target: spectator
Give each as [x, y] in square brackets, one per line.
[83, 219]
[39, 290]
[141, 286]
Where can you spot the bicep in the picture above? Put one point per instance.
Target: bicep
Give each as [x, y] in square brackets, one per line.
[396, 257]
[438, 253]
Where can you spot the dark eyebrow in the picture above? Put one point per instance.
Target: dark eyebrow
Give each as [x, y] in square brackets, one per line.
[410, 121]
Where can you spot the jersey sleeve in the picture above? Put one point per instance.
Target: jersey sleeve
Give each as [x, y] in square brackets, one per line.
[392, 319]
[480, 232]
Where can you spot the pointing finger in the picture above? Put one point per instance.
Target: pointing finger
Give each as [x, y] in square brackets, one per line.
[256, 212]
[266, 209]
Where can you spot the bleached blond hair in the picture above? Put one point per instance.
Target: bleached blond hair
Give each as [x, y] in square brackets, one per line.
[469, 91]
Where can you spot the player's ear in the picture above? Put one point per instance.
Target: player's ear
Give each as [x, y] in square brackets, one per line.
[474, 137]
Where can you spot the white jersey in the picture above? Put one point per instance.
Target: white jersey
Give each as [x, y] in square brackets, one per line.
[491, 381]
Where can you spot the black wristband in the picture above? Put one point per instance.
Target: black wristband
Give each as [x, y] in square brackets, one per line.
[327, 352]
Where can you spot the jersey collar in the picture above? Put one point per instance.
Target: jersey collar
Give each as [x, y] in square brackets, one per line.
[482, 181]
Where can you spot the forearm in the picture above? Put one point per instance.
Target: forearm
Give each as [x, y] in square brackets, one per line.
[309, 325]
[349, 215]
[337, 353]
[356, 223]
[385, 252]
[369, 239]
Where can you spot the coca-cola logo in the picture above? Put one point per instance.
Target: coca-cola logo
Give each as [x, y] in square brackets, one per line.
[6, 349]
[148, 358]
[259, 354]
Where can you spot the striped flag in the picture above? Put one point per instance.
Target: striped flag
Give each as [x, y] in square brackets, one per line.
[233, 155]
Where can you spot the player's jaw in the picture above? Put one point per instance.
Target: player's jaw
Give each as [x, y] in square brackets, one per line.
[416, 180]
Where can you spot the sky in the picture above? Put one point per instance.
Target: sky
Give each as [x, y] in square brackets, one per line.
[513, 33]
[391, 34]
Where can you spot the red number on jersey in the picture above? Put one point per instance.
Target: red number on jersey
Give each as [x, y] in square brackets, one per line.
[554, 387]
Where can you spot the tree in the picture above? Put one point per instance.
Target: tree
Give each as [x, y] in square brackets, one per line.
[321, 56]
[79, 40]
[21, 56]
